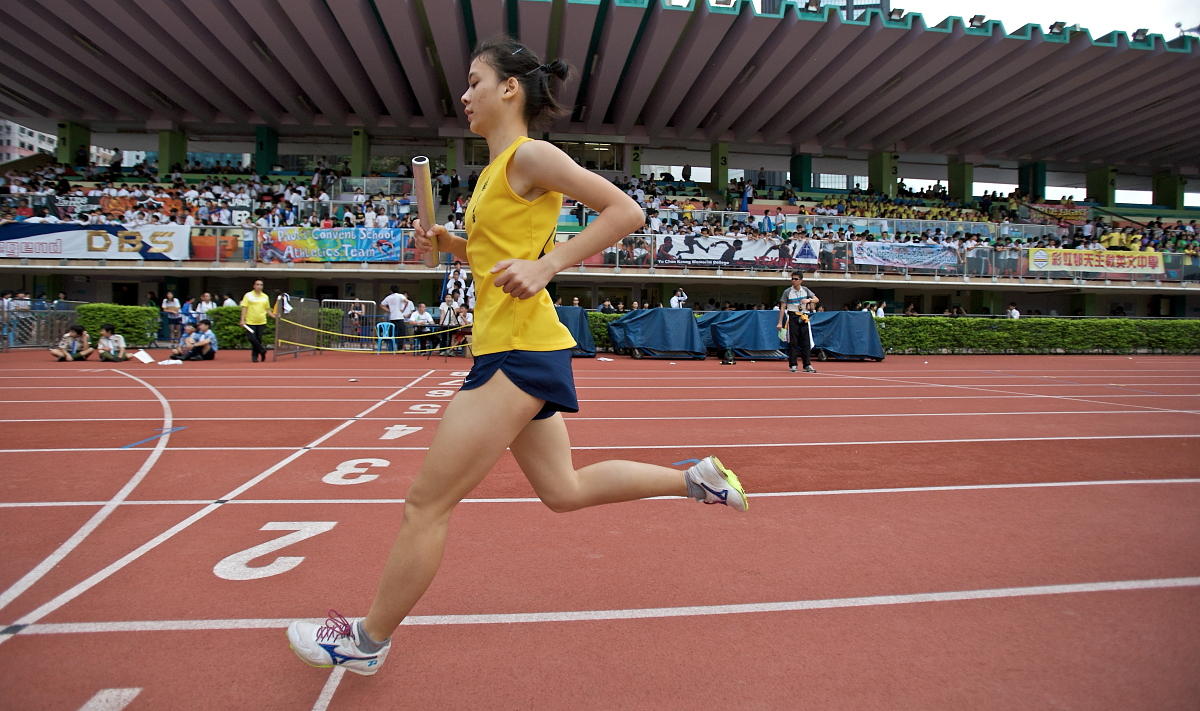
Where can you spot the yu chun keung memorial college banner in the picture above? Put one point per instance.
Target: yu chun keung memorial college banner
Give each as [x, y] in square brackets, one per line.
[350, 244]
[48, 241]
[696, 251]
[1081, 260]
[904, 255]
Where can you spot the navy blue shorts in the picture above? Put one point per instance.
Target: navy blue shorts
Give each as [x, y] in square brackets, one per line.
[545, 375]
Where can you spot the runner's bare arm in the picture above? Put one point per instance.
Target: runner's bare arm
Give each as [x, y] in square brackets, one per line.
[538, 167]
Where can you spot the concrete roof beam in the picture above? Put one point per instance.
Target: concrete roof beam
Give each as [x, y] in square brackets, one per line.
[575, 42]
[729, 59]
[649, 64]
[191, 71]
[178, 22]
[696, 47]
[404, 24]
[942, 88]
[786, 41]
[283, 40]
[44, 44]
[945, 51]
[616, 42]
[319, 28]
[230, 31]
[850, 84]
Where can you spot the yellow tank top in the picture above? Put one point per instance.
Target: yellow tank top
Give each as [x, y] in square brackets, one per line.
[502, 225]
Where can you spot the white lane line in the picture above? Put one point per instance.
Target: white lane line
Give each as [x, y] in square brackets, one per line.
[575, 418]
[210, 380]
[327, 691]
[643, 612]
[788, 384]
[40, 570]
[977, 388]
[1007, 396]
[703, 445]
[111, 699]
[535, 500]
[103, 574]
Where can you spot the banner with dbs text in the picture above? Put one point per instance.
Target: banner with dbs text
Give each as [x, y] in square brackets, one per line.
[65, 241]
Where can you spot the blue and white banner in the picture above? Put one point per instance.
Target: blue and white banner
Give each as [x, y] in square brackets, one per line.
[48, 241]
[903, 254]
[696, 251]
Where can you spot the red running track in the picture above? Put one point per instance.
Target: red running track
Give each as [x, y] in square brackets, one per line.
[926, 532]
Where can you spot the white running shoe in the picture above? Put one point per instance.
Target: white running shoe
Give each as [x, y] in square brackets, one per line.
[333, 644]
[721, 486]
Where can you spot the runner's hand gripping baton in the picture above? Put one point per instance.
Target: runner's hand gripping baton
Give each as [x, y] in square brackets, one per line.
[423, 192]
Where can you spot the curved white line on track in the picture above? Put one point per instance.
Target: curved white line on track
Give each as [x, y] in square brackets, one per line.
[643, 612]
[40, 570]
[103, 574]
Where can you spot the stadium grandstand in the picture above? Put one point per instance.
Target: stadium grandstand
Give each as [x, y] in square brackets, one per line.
[758, 135]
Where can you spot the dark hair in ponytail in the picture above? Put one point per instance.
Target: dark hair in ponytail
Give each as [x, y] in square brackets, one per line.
[512, 59]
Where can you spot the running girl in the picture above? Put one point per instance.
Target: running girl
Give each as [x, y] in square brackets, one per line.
[521, 380]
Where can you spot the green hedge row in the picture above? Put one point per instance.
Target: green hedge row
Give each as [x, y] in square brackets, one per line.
[934, 334]
[899, 334]
[599, 325]
[138, 324]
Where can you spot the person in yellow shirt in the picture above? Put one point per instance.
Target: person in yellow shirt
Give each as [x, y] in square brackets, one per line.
[256, 307]
[521, 381]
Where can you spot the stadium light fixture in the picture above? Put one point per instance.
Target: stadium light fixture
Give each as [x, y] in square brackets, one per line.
[896, 13]
[978, 20]
[1058, 27]
[1139, 35]
[812, 6]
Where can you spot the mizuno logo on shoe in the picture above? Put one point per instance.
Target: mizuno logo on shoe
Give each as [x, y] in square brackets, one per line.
[339, 658]
[723, 494]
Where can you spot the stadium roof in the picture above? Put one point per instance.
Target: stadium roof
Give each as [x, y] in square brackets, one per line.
[655, 71]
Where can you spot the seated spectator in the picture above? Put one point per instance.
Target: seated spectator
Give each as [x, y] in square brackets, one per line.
[466, 320]
[111, 344]
[75, 344]
[187, 341]
[204, 346]
[421, 322]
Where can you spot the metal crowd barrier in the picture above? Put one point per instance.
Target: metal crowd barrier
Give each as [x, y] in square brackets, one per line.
[39, 326]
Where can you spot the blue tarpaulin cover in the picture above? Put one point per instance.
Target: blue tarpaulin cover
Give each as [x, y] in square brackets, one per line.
[847, 335]
[739, 330]
[841, 334]
[658, 333]
[576, 321]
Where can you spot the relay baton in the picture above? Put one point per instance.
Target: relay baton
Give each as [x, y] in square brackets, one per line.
[423, 192]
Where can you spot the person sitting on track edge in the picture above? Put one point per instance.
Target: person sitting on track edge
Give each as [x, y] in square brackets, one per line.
[204, 342]
[75, 344]
[111, 344]
[521, 380]
[183, 347]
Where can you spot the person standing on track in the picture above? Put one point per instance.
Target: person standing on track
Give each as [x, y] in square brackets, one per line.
[795, 306]
[521, 379]
[398, 306]
[256, 307]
